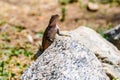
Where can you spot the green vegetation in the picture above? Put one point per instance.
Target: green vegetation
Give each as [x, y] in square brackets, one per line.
[8, 54]
[63, 10]
[101, 30]
[106, 1]
[64, 2]
[115, 79]
[40, 33]
[2, 22]
[19, 28]
[5, 37]
[13, 51]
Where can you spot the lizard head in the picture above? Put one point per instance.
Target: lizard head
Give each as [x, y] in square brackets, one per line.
[54, 19]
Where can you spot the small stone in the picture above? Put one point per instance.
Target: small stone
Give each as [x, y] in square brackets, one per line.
[30, 39]
[92, 6]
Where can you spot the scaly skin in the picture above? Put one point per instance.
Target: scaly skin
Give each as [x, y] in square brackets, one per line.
[49, 34]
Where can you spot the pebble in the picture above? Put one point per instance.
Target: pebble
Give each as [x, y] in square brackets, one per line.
[92, 6]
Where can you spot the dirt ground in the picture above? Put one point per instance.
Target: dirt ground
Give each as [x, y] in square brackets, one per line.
[22, 23]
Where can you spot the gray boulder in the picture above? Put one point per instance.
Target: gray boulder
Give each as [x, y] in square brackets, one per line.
[73, 58]
[106, 52]
[113, 35]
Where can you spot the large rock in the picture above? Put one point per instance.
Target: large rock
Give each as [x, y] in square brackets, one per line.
[106, 52]
[72, 58]
[113, 35]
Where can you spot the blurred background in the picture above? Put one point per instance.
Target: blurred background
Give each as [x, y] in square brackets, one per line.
[22, 24]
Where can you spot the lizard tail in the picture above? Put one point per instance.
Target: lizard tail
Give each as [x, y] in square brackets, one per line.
[39, 52]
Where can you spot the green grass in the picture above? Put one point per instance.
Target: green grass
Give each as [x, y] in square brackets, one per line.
[2, 22]
[64, 2]
[13, 51]
[106, 1]
[101, 30]
[115, 79]
[7, 53]
[63, 11]
[19, 27]
[5, 37]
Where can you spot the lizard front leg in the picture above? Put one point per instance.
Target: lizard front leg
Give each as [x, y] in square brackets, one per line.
[58, 32]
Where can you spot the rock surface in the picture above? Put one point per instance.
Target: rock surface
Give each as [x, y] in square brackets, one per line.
[113, 36]
[73, 58]
[106, 52]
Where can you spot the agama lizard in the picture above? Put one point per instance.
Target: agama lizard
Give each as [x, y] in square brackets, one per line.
[49, 34]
